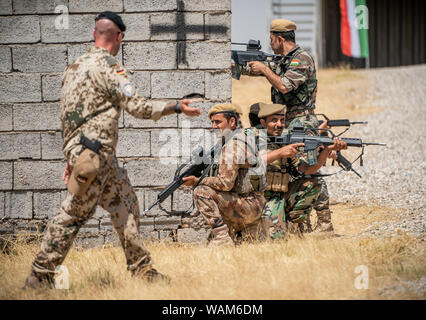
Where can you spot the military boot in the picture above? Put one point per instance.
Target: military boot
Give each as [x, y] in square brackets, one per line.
[39, 281]
[324, 224]
[220, 236]
[151, 275]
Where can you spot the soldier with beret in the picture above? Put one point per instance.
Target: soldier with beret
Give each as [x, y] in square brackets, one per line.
[289, 198]
[95, 89]
[230, 198]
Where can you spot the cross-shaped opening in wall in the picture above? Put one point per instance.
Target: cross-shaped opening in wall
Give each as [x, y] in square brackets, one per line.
[181, 29]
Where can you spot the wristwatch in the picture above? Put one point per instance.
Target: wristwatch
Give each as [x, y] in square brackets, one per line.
[177, 108]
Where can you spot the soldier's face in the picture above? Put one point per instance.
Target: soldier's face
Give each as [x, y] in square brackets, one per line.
[274, 124]
[221, 125]
[276, 44]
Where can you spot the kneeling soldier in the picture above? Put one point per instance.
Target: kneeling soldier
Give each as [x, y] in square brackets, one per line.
[231, 197]
[289, 199]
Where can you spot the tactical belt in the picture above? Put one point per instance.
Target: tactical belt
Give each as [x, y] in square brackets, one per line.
[95, 146]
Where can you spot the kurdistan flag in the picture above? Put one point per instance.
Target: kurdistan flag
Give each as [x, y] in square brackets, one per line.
[353, 34]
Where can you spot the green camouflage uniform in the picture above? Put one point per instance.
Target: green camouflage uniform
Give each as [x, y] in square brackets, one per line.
[95, 89]
[230, 194]
[288, 201]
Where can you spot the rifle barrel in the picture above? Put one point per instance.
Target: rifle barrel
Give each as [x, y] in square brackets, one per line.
[359, 122]
[374, 144]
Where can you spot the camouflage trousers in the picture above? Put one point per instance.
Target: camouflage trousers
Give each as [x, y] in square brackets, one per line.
[285, 212]
[112, 190]
[322, 205]
[239, 213]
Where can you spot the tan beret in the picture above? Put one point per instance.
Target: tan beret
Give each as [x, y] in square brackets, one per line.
[222, 108]
[270, 109]
[282, 25]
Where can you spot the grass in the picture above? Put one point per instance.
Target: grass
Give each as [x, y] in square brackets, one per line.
[308, 268]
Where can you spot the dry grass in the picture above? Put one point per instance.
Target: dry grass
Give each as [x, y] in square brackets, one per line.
[309, 268]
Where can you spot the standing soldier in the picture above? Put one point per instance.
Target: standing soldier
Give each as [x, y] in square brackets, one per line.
[95, 88]
[294, 84]
[231, 198]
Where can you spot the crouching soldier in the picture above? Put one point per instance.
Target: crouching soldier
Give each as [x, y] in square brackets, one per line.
[291, 191]
[230, 198]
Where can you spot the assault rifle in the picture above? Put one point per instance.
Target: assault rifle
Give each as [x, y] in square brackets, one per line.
[298, 135]
[339, 122]
[196, 165]
[253, 53]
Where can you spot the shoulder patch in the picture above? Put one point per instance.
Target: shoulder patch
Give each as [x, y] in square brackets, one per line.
[121, 71]
[128, 89]
[294, 62]
[110, 60]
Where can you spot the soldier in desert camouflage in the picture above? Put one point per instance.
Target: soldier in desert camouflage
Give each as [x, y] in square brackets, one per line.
[294, 84]
[95, 89]
[230, 198]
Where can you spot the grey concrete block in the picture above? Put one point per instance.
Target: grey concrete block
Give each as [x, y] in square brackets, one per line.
[207, 55]
[142, 80]
[80, 29]
[188, 235]
[177, 26]
[151, 172]
[36, 7]
[167, 235]
[38, 175]
[44, 116]
[201, 121]
[51, 146]
[218, 26]
[150, 236]
[133, 143]
[22, 29]
[169, 121]
[182, 199]
[2, 202]
[207, 5]
[77, 50]
[151, 197]
[91, 226]
[165, 143]
[6, 117]
[19, 205]
[218, 85]
[87, 242]
[20, 88]
[20, 146]
[149, 5]
[137, 26]
[6, 7]
[112, 239]
[86, 6]
[5, 59]
[150, 55]
[6, 175]
[51, 87]
[46, 204]
[46, 58]
[146, 224]
[176, 84]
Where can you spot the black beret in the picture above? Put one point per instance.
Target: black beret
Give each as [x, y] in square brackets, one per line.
[113, 17]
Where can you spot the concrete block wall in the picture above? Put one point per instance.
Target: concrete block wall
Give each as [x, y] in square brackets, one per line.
[173, 48]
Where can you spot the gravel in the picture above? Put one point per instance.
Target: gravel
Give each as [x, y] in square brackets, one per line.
[393, 176]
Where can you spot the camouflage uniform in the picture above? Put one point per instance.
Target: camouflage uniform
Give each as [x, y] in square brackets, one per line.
[289, 200]
[95, 88]
[230, 197]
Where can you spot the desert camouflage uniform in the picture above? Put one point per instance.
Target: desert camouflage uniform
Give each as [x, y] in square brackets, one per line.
[230, 195]
[95, 88]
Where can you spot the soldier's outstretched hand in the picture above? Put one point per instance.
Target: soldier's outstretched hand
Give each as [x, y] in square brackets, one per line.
[189, 111]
